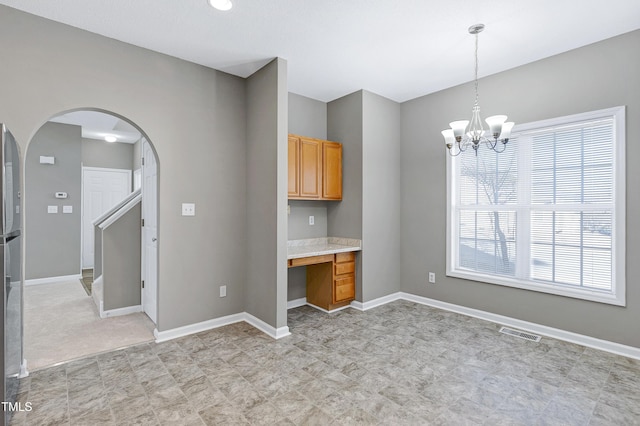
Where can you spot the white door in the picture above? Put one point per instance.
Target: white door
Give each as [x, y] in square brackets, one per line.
[149, 231]
[101, 190]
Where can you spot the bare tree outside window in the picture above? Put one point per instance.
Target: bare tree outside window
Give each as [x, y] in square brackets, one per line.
[488, 179]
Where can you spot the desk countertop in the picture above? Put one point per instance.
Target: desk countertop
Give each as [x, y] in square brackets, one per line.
[319, 246]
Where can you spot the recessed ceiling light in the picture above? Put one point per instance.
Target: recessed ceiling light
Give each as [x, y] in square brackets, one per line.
[110, 138]
[221, 4]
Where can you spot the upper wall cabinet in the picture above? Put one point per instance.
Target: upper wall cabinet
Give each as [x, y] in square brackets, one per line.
[315, 169]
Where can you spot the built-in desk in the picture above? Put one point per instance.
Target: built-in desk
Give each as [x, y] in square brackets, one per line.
[331, 269]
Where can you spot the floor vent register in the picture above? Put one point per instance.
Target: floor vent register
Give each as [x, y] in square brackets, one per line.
[521, 334]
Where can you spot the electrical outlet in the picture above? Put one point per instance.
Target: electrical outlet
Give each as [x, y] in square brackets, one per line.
[312, 220]
[432, 277]
[188, 209]
[223, 291]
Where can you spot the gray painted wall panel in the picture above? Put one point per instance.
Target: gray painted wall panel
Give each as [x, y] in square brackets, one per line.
[307, 117]
[380, 197]
[136, 156]
[195, 119]
[97, 153]
[598, 76]
[298, 224]
[121, 256]
[52, 241]
[266, 193]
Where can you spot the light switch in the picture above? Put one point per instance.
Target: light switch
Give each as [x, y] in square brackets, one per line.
[312, 220]
[188, 209]
[52, 209]
[223, 291]
[67, 209]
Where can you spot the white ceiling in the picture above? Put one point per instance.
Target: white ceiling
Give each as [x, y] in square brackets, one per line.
[400, 49]
[98, 125]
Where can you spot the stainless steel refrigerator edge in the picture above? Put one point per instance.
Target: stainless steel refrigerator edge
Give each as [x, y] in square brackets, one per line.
[11, 248]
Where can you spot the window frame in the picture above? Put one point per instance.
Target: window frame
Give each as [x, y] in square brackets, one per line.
[617, 296]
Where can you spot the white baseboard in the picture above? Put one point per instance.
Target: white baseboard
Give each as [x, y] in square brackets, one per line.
[331, 311]
[120, 311]
[276, 333]
[567, 336]
[174, 333]
[376, 302]
[291, 304]
[51, 280]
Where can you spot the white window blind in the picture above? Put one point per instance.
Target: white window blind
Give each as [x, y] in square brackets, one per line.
[548, 213]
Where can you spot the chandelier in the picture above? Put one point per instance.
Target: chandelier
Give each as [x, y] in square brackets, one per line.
[458, 138]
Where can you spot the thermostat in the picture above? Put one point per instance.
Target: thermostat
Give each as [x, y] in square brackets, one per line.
[61, 195]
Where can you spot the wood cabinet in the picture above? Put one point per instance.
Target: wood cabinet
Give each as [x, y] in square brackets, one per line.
[332, 171]
[315, 169]
[331, 282]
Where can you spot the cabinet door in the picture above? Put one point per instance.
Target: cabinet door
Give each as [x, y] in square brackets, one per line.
[294, 166]
[332, 170]
[310, 168]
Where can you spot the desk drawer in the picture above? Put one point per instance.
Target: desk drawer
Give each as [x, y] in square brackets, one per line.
[344, 289]
[349, 256]
[345, 268]
[312, 260]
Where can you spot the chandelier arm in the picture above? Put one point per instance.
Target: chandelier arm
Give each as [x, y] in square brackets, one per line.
[504, 146]
[490, 144]
[452, 150]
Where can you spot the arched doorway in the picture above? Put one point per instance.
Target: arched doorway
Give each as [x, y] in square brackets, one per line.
[75, 172]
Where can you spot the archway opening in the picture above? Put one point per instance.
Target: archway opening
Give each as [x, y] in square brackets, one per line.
[86, 193]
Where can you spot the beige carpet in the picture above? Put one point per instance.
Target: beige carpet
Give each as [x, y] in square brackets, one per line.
[61, 323]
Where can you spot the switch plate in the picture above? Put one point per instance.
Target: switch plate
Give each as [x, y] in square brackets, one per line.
[188, 209]
[432, 277]
[312, 220]
[52, 209]
[223, 291]
[67, 209]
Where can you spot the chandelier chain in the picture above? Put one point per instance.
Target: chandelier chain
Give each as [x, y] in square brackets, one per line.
[476, 70]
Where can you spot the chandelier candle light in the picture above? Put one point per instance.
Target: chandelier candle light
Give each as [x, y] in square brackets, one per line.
[458, 135]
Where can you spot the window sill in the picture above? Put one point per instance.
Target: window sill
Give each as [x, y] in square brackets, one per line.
[575, 293]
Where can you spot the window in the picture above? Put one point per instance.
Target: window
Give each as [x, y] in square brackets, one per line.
[548, 214]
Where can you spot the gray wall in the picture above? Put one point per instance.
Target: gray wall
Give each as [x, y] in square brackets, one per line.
[121, 252]
[194, 117]
[96, 153]
[344, 218]
[598, 76]
[136, 156]
[307, 117]
[266, 261]
[380, 197]
[52, 241]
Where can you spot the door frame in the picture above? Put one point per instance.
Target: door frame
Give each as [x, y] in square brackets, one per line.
[82, 212]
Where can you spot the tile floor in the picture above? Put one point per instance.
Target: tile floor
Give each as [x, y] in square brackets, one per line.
[61, 323]
[401, 363]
